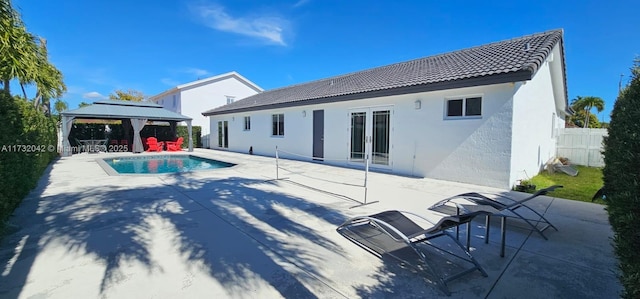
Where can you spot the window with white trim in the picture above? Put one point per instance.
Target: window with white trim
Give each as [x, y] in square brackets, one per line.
[464, 107]
[230, 99]
[247, 123]
[277, 125]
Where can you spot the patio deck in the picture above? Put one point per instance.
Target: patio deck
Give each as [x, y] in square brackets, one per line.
[237, 233]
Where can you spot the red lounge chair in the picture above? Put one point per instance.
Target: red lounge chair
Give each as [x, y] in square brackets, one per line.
[154, 145]
[175, 146]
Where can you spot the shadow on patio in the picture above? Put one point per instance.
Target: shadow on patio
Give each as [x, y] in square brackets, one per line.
[241, 233]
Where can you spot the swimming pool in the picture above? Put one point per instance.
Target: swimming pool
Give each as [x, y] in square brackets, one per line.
[161, 164]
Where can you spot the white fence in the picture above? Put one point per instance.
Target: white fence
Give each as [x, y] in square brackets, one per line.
[581, 146]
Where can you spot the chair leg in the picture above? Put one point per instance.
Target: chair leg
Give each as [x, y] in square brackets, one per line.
[487, 225]
[503, 234]
[539, 215]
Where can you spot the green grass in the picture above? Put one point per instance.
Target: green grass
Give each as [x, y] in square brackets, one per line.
[581, 187]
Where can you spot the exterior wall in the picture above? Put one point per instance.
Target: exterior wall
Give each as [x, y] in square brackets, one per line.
[536, 123]
[197, 99]
[424, 142]
[193, 100]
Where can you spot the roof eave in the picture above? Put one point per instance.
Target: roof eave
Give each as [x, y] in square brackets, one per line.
[524, 74]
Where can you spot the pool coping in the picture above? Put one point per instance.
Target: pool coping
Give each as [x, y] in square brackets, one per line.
[112, 172]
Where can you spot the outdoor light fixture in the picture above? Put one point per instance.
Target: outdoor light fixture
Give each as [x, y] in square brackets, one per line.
[304, 113]
[418, 104]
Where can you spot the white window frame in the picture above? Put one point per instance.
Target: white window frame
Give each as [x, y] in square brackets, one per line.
[247, 123]
[230, 99]
[279, 129]
[464, 107]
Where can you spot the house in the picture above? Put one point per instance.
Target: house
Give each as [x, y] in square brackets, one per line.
[192, 98]
[485, 115]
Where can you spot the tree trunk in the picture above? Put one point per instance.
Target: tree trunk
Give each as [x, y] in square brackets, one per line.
[24, 93]
[586, 121]
[6, 86]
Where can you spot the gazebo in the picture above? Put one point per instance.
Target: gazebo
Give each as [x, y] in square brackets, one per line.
[138, 113]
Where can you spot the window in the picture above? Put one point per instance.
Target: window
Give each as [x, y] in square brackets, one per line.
[174, 101]
[466, 107]
[247, 123]
[277, 125]
[230, 99]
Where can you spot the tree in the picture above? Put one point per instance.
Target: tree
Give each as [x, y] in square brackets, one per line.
[24, 57]
[129, 95]
[622, 182]
[586, 104]
[579, 117]
[83, 104]
[60, 106]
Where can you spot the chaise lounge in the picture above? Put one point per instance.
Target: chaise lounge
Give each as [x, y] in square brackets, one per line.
[501, 205]
[397, 235]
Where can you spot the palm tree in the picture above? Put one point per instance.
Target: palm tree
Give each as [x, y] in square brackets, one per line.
[586, 104]
[24, 57]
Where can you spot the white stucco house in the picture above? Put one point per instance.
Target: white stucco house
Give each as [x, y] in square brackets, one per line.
[192, 98]
[485, 115]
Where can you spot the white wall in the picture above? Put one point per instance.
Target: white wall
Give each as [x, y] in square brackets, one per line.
[423, 142]
[198, 99]
[191, 101]
[535, 125]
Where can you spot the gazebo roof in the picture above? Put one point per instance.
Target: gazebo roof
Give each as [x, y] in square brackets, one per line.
[112, 109]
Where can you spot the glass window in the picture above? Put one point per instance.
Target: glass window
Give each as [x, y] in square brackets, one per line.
[454, 108]
[473, 107]
[464, 107]
[247, 123]
[230, 99]
[277, 125]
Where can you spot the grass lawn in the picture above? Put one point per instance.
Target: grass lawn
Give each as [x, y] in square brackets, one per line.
[581, 187]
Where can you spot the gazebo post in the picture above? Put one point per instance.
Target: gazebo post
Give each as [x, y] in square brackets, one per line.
[190, 135]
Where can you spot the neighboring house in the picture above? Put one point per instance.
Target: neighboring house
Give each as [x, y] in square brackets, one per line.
[192, 98]
[486, 115]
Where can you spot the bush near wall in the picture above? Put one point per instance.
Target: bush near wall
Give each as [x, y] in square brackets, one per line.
[20, 171]
[622, 182]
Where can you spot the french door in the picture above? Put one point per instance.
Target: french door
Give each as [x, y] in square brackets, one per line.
[370, 136]
[223, 131]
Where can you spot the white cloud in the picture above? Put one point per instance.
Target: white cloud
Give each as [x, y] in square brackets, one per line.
[93, 95]
[169, 81]
[266, 28]
[301, 3]
[196, 72]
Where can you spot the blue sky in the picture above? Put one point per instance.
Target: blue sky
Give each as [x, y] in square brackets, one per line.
[152, 46]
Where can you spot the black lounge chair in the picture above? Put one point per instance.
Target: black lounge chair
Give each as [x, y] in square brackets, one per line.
[500, 204]
[392, 233]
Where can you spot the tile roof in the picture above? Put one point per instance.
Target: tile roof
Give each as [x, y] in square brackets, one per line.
[519, 57]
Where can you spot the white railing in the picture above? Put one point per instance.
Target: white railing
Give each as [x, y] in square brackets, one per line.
[581, 146]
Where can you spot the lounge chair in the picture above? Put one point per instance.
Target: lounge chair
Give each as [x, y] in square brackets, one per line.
[507, 207]
[175, 146]
[393, 233]
[154, 145]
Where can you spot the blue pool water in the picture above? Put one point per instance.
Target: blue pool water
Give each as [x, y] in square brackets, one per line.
[163, 164]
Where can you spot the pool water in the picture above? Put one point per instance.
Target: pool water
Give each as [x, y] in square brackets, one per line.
[164, 164]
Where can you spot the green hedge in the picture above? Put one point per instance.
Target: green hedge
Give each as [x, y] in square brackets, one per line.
[622, 182]
[21, 167]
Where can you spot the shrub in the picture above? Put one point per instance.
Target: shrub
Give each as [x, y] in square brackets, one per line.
[20, 170]
[622, 182]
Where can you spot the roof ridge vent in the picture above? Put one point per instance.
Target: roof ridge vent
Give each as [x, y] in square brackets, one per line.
[527, 46]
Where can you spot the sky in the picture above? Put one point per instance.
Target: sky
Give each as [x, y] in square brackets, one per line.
[152, 46]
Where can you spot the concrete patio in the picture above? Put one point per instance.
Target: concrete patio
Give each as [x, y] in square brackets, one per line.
[238, 233]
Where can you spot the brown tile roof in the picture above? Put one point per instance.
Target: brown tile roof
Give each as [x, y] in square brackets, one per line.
[497, 62]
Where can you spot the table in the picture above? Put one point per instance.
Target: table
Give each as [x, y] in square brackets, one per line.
[94, 145]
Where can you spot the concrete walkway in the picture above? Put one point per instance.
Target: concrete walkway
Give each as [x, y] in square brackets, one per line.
[238, 233]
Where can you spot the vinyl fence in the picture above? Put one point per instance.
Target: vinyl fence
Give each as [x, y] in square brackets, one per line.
[581, 146]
